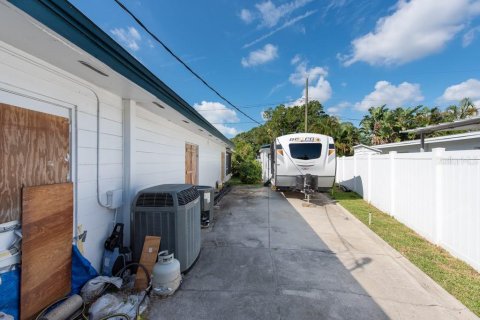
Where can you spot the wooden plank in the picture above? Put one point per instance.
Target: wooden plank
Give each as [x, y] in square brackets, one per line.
[47, 222]
[34, 150]
[151, 245]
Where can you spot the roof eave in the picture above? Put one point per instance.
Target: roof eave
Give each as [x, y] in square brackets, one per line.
[464, 124]
[67, 21]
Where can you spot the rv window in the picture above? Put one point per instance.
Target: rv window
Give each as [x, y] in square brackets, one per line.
[305, 151]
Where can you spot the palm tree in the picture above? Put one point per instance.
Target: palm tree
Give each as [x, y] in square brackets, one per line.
[375, 125]
[465, 110]
[346, 137]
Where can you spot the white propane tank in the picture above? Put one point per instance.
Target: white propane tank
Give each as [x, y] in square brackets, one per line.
[166, 275]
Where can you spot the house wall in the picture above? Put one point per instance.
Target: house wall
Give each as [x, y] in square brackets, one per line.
[434, 193]
[364, 151]
[158, 156]
[160, 152]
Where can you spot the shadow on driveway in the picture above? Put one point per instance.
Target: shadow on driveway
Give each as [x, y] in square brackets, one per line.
[261, 260]
[267, 257]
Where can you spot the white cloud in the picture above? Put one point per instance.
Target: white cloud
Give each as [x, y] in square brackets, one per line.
[228, 131]
[416, 29]
[276, 87]
[271, 14]
[218, 114]
[129, 37]
[301, 72]
[261, 56]
[320, 90]
[333, 110]
[285, 25]
[296, 59]
[469, 36]
[391, 95]
[467, 89]
[336, 109]
[246, 16]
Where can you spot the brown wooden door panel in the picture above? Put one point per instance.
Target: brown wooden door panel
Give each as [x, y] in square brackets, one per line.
[34, 150]
[191, 163]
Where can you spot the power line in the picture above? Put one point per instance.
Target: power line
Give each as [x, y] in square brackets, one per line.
[241, 122]
[254, 106]
[245, 122]
[140, 23]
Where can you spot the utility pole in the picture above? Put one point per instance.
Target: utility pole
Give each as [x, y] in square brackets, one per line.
[306, 106]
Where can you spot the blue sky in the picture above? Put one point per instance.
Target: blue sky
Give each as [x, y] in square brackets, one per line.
[356, 53]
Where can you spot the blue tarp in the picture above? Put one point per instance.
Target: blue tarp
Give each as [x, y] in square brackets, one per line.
[10, 292]
[82, 271]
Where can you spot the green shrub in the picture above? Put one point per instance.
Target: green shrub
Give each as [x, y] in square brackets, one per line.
[250, 171]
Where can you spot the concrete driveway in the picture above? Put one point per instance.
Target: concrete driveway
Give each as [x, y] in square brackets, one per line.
[269, 257]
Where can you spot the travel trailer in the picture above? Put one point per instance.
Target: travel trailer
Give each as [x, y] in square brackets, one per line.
[304, 162]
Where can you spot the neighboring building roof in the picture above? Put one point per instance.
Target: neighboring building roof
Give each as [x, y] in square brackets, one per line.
[358, 146]
[66, 20]
[265, 146]
[464, 124]
[452, 137]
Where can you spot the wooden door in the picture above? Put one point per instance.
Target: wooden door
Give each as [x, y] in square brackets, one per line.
[34, 150]
[191, 163]
[222, 164]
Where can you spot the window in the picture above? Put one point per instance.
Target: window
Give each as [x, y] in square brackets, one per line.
[305, 151]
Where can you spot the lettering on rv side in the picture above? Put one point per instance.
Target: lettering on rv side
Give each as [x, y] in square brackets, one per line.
[305, 139]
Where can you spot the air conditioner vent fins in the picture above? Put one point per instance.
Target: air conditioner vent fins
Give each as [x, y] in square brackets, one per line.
[155, 200]
[187, 196]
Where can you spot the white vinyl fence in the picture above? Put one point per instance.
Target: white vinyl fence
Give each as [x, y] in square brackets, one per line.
[436, 193]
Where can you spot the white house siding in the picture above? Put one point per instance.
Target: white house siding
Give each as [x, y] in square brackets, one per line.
[434, 193]
[160, 152]
[35, 85]
[28, 82]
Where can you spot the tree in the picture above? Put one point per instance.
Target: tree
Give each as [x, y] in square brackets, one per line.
[465, 110]
[374, 125]
[345, 138]
[383, 125]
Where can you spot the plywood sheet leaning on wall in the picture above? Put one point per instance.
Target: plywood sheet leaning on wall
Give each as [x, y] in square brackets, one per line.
[47, 220]
[34, 150]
